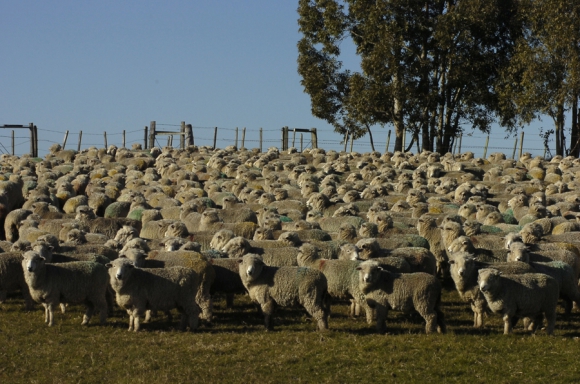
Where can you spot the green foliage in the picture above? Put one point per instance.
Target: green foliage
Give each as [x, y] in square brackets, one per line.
[237, 349]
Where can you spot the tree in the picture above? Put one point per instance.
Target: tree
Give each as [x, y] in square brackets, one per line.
[543, 76]
[425, 66]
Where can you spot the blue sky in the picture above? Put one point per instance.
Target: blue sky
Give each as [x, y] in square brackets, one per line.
[117, 65]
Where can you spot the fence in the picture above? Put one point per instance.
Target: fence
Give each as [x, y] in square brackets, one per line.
[219, 137]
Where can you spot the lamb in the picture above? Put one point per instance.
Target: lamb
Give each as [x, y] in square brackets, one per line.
[514, 296]
[464, 270]
[162, 289]
[403, 292]
[285, 286]
[75, 282]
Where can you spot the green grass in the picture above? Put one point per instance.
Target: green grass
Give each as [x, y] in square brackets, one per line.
[237, 349]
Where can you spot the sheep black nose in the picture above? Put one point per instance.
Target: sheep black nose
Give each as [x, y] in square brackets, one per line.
[29, 269]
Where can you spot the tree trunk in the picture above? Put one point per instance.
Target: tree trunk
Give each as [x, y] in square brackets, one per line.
[560, 130]
[575, 134]
[371, 137]
[398, 118]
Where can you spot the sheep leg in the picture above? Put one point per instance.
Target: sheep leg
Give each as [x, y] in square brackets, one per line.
[63, 308]
[148, 315]
[130, 313]
[551, 319]
[430, 318]
[204, 301]
[370, 312]
[267, 309]
[3, 295]
[507, 324]
[88, 314]
[45, 312]
[229, 300]
[382, 312]
[316, 310]
[49, 314]
[136, 324]
[193, 317]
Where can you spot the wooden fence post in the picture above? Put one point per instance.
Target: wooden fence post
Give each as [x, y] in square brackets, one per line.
[301, 146]
[515, 146]
[521, 144]
[294, 137]
[152, 134]
[460, 140]
[123, 138]
[182, 136]
[12, 142]
[145, 138]
[388, 141]
[105, 133]
[215, 137]
[243, 137]
[80, 140]
[314, 137]
[485, 149]
[65, 139]
[236, 137]
[260, 139]
[346, 140]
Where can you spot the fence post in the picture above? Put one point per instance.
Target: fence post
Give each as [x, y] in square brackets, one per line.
[388, 141]
[260, 139]
[80, 140]
[351, 141]
[294, 137]
[485, 149]
[170, 141]
[152, 134]
[301, 146]
[236, 137]
[65, 139]
[515, 146]
[214, 137]
[182, 136]
[404, 139]
[521, 144]
[31, 127]
[314, 137]
[145, 138]
[123, 138]
[243, 137]
[188, 135]
[12, 142]
[105, 133]
[346, 140]
[460, 140]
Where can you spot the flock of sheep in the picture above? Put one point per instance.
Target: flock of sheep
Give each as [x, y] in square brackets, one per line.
[157, 230]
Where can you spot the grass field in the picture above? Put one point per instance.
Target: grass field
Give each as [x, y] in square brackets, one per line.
[237, 349]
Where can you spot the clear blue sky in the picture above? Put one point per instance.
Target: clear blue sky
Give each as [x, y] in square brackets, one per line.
[117, 65]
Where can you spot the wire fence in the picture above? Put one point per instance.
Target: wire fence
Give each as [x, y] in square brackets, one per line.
[498, 141]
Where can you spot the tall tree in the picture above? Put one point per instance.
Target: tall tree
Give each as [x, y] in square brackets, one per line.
[427, 66]
[543, 77]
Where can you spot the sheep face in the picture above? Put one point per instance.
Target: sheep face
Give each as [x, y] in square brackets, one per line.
[369, 273]
[307, 253]
[120, 270]
[135, 256]
[367, 248]
[32, 262]
[518, 252]
[290, 239]
[461, 266]
[512, 237]
[126, 233]
[236, 247]
[220, 238]
[461, 244]
[488, 279]
[348, 252]
[250, 267]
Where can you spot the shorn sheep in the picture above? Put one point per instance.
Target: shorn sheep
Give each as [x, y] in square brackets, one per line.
[513, 296]
[162, 289]
[285, 286]
[74, 283]
[402, 292]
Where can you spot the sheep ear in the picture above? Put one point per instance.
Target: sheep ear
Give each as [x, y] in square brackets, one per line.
[50, 247]
[109, 265]
[451, 261]
[240, 261]
[358, 268]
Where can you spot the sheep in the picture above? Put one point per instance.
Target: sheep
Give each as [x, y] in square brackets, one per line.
[220, 238]
[464, 268]
[285, 286]
[465, 244]
[514, 296]
[12, 223]
[193, 260]
[12, 277]
[562, 272]
[427, 227]
[75, 282]
[210, 221]
[163, 289]
[341, 277]
[403, 292]
[278, 257]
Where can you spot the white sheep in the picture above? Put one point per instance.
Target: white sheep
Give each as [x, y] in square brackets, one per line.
[285, 286]
[161, 289]
[74, 283]
[513, 296]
